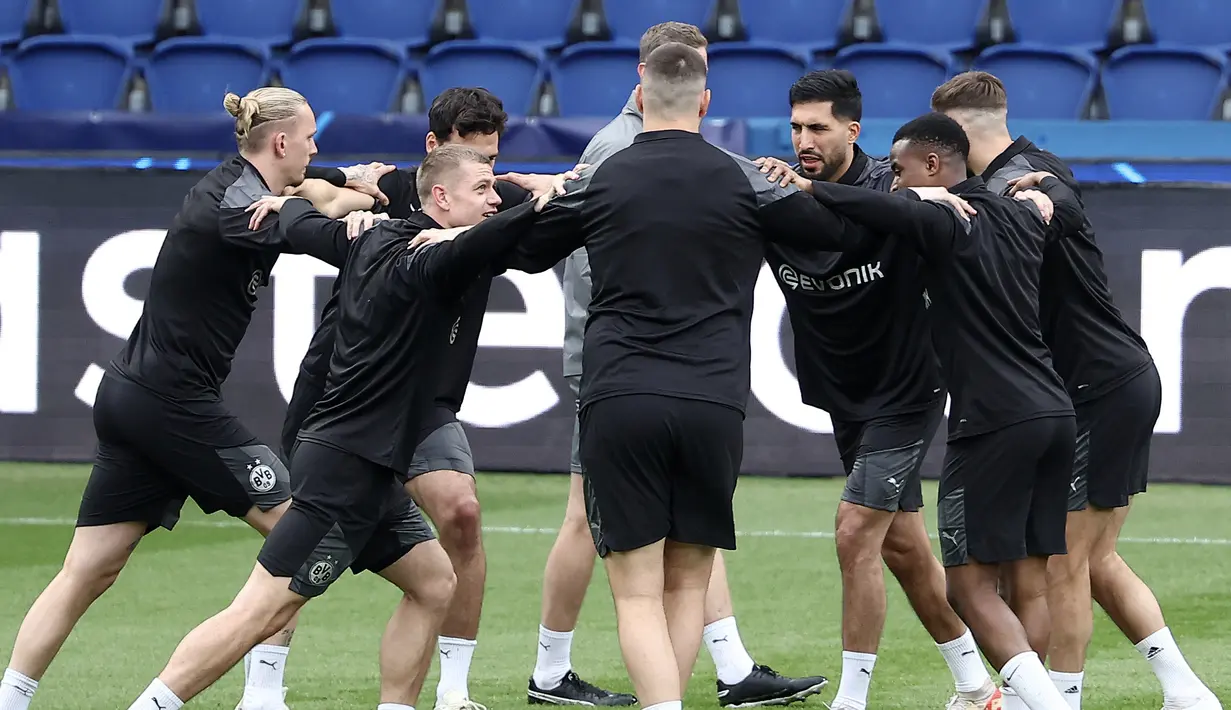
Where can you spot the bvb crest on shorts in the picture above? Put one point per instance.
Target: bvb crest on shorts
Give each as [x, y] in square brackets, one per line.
[321, 573]
[261, 477]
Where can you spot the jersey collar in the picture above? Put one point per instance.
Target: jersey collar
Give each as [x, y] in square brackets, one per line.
[1019, 146]
[859, 163]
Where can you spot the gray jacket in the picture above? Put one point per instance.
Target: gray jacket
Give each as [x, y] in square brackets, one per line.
[614, 137]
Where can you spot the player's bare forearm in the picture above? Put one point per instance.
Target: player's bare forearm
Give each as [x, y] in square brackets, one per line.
[331, 200]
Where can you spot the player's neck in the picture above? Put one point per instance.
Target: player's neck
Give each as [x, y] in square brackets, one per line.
[846, 166]
[651, 123]
[440, 217]
[264, 165]
[984, 148]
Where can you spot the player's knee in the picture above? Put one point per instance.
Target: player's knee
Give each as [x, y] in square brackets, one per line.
[93, 574]
[853, 539]
[436, 591]
[1103, 568]
[461, 522]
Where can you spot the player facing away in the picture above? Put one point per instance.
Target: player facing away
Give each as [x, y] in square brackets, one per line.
[164, 433]
[1003, 490]
[397, 306]
[1115, 388]
[863, 354]
[570, 564]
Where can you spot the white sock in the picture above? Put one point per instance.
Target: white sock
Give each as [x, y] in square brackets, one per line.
[856, 679]
[157, 696]
[1025, 674]
[16, 690]
[264, 669]
[965, 663]
[1011, 701]
[554, 658]
[731, 659]
[393, 706]
[1069, 685]
[669, 705]
[1177, 679]
[455, 657]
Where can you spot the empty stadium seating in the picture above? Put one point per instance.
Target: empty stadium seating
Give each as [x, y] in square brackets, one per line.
[514, 46]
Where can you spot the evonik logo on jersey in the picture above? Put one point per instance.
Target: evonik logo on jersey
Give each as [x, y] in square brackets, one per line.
[798, 281]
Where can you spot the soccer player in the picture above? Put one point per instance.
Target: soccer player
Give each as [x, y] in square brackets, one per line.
[396, 310]
[570, 565]
[1115, 388]
[863, 354]
[666, 355]
[164, 434]
[1003, 491]
[442, 471]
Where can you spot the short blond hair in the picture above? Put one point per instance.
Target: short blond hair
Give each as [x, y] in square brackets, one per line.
[668, 32]
[440, 164]
[258, 108]
[972, 90]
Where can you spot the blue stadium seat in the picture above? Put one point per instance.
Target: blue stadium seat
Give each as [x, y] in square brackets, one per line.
[1158, 83]
[808, 23]
[508, 71]
[1063, 23]
[67, 73]
[594, 78]
[192, 74]
[1042, 82]
[896, 80]
[129, 20]
[12, 19]
[945, 24]
[269, 21]
[1191, 22]
[405, 22]
[346, 75]
[749, 80]
[538, 22]
[629, 19]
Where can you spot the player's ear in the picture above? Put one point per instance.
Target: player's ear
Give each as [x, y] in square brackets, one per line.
[853, 130]
[934, 164]
[705, 102]
[638, 97]
[641, 70]
[430, 142]
[440, 196]
[280, 144]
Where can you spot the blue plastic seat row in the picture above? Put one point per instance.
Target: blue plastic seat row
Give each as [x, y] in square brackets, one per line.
[190, 75]
[814, 24]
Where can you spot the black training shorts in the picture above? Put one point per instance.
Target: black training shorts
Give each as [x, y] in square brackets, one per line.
[154, 453]
[1112, 459]
[659, 467]
[883, 458]
[347, 512]
[1004, 494]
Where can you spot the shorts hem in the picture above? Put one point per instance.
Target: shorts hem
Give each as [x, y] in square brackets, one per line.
[434, 465]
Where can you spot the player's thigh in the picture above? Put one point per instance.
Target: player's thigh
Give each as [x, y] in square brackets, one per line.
[1049, 499]
[339, 503]
[709, 441]
[984, 497]
[888, 461]
[574, 383]
[399, 550]
[627, 451]
[1118, 429]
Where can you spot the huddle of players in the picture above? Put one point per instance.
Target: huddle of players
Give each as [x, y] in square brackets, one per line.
[164, 434]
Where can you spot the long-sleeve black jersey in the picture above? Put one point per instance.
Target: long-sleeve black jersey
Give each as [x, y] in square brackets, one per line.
[1094, 349]
[983, 281]
[396, 309]
[208, 275]
[673, 263]
[863, 344]
[400, 187]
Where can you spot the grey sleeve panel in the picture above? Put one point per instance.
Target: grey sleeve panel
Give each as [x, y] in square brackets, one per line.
[767, 192]
[614, 137]
[246, 189]
[1015, 168]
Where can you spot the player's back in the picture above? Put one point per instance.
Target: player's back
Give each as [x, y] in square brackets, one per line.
[203, 288]
[986, 325]
[1093, 347]
[675, 245]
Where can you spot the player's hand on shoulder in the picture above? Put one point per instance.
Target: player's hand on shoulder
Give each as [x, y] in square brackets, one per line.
[262, 207]
[1027, 181]
[779, 171]
[1046, 207]
[538, 185]
[433, 236]
[366, 179]
[359, 222]
[940, 194]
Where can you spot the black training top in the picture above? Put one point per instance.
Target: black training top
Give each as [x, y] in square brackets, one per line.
[673, 260]
[863, 345]
[983, 282]
[1093, 348]
[396, 309]
[400, 187]
[207, 277]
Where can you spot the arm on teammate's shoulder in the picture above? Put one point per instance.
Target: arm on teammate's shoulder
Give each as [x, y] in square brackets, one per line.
[555, 234]
[933, 227]
[331, 200]
[447, 268]
[333, 176]
[800, 221]
[297, 228]
[1068, 216]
